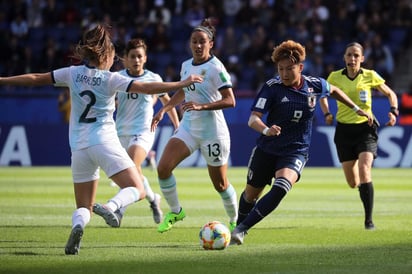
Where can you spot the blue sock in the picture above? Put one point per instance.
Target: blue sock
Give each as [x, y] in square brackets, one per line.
[268, 203]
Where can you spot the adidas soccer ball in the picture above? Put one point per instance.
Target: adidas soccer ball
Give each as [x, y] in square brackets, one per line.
[214, 236]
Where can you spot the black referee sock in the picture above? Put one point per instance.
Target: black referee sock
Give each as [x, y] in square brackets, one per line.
[366, 195]
[244, 208]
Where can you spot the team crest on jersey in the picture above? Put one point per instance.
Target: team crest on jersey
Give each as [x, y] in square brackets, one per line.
[311, 101]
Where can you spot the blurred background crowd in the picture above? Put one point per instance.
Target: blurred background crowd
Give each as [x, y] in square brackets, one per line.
[38, 35]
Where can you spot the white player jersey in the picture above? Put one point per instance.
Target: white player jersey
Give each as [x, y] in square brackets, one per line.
[92, 94]
[207, 124]
[135, 111]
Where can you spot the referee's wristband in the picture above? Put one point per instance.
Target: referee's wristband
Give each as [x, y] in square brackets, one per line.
[394, 111]
[265, 131]
[355, 108]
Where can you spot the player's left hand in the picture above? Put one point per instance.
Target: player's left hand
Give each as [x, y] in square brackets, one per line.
[188, 106]
[392, 120]
[156, 119]
[329, 118]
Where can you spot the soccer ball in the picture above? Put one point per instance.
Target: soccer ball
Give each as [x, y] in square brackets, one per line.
[214, 236]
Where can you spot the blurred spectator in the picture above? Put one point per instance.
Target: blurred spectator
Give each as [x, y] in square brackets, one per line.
[405, 108]
[140, 17]
[159, 14]
[70, 13]
[19, 27]
[380, 57]
[35, 13]
[160, 40]
[51, 14]
[318, 11]
[171, 74]
[51, 56]
[230, 10]
[15, 57]
[233, 69]
[194, 14]
[227, 43]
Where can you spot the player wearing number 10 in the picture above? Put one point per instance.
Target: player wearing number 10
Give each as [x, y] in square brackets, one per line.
[203, 126]
[92, 133]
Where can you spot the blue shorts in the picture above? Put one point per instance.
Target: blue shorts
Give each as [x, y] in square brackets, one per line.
[262, 166]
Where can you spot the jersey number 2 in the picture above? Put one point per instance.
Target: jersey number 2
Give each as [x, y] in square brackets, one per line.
[83, 118]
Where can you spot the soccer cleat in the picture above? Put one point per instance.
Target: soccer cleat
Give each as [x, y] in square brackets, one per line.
[369, 225]
[109, 216]
[157, 211]
[73, 244]
[232, 226]
[170, 219]
[237, 236]
[119, 216]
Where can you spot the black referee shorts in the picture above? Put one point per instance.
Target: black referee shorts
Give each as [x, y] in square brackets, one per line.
[352, 139]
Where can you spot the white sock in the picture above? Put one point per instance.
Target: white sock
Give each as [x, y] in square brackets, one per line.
[229, 199]
[123, 198]
[149, 192]
[81, 216]
[168, 187]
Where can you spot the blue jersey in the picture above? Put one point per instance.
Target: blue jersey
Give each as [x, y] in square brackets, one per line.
[291, 109]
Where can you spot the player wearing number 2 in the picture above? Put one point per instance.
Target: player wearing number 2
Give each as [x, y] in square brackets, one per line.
[281, 152]
[203, 126]
[92, 133]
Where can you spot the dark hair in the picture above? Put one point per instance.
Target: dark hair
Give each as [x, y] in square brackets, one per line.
[354, 44]
[134, 44]
[207, 26]
[96, 45]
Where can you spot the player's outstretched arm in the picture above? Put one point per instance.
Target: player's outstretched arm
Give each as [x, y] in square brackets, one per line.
[160, 87]
[30, 79]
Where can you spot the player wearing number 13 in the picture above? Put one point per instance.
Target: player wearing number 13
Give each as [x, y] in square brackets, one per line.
[281, 151]
[92, 132]
[203, 126]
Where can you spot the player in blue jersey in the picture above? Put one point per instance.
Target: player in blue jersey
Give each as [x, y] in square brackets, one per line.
[92, 133]
[134, 115]
[203, 126]
[281, 151]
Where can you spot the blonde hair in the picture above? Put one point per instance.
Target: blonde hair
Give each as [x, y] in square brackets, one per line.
[96, 45]
[291, 50]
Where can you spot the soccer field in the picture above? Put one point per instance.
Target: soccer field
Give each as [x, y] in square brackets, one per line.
[318, 228]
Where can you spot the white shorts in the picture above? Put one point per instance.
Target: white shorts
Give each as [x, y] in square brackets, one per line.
[144, 140]
[112, 158]
[214, 151]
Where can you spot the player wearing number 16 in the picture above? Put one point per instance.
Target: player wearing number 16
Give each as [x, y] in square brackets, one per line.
[92, 132]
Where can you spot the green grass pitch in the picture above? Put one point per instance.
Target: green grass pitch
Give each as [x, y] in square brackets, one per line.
[318, 228]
